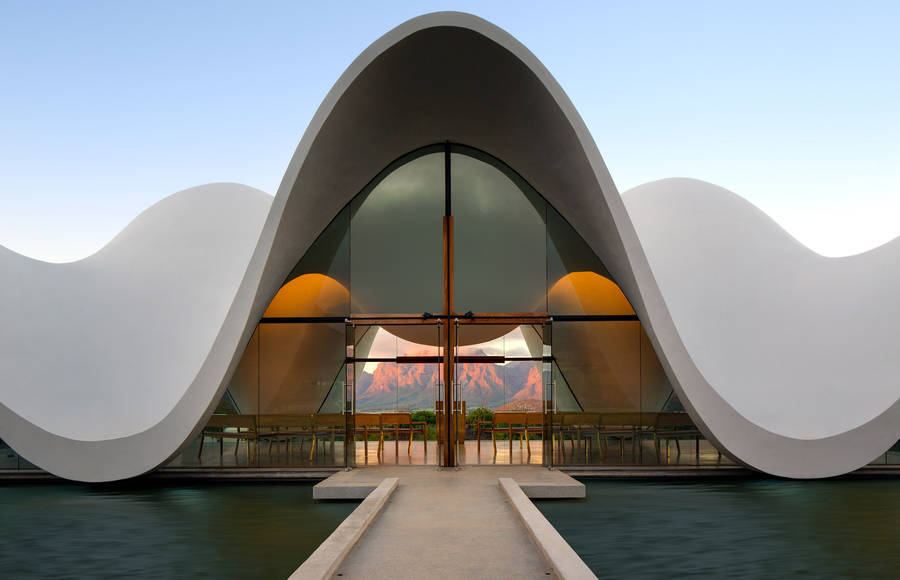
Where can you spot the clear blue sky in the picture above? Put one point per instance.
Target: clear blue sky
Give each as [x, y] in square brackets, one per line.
[106, 107]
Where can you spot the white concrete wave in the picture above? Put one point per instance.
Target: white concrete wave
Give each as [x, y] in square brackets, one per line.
[103, 347]
[802, 345]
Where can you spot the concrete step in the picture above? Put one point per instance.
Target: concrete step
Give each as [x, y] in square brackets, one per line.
[537, 482]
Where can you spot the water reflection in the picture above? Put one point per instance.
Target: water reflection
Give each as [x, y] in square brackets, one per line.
[741, 528]
[224, 531]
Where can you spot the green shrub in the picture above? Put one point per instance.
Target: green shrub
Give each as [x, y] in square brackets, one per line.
[478, 414]
[424, 415]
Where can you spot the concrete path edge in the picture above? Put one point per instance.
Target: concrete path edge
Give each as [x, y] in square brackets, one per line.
[567, 564]
[324, 562]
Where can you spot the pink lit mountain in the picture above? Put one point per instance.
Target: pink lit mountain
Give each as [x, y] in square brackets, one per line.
[412, 386]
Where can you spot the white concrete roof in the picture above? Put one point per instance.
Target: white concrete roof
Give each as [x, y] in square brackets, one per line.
[786, 359]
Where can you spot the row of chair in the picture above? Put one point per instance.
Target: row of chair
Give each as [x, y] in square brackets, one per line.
[391, 424]
[580, 427]
[280, 428]
[511, 423]
[660, 426]
[286, 428]
[576, 428]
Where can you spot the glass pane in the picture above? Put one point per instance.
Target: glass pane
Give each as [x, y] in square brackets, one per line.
[301, 370]
[614, 403]
[579, 283]
[319, 284]
[525, 341]
[376, 387]
[416, 384]
[481, 385]
[298, 366]
[395, 398]
[227, 439]
[499, 238]
[397, 239]
[567, 251]
[676, 440]
[563, 398]
[395, 404]
[244, 386]
[656, 391]
[8, 458]
[601, 363]
[674, 437]
[892, 456]
[597, 392]
[373, 342]
[510, 386]
[504, 340]
[482, 339]
[397, 340]
[334, 401]
[389, 386]
[587, 293]
[523, 386]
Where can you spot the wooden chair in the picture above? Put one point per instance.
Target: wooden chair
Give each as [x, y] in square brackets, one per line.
[534, 423]
[366, 424]
[577, 427]
[504, 422]
[674, 426]
[278, 428]
[622, 426]
[237, 427]
[327, 425]
[399, 424]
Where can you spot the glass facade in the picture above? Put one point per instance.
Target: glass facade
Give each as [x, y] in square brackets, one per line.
[285, 404]
[448, 266]
[613, 402]
[889, 457]
[499, 237]
[9, 459]
[396, 240]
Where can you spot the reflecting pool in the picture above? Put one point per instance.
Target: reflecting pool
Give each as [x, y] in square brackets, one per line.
[196, 531]
[753, 528]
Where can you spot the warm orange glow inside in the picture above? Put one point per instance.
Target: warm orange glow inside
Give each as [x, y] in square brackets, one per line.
[575, 293]
[310, 295]
[588, 293]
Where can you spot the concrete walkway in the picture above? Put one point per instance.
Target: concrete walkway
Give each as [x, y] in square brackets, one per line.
[446, 524]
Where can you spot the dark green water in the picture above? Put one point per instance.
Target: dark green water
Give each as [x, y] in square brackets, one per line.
[625, 529]
[209, 531]
[735, 529]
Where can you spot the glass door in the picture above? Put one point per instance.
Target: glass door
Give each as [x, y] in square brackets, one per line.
[396, 366]
[502, 396]
[475, 378]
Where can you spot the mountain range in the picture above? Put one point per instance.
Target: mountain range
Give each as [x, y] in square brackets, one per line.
[412, 386]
